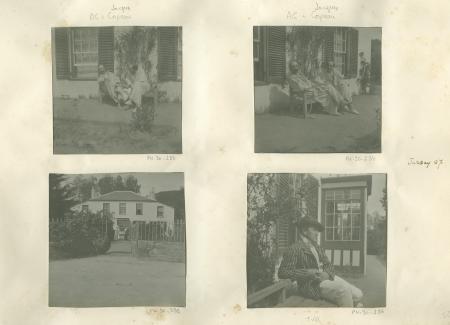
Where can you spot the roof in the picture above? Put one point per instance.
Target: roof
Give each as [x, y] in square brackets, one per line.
[339, 179]
[122, 196]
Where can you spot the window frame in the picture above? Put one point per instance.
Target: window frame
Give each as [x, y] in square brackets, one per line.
[73, 67]
[160, 211]
[108, 209]
[139, 212]
[122, 207]
[337, 215]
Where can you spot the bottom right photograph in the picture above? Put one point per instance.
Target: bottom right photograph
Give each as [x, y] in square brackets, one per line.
[316, 240]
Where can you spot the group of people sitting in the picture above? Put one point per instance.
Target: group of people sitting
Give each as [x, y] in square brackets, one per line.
[123, 92]
[326, 88]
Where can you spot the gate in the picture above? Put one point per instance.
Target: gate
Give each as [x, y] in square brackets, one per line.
[159, 239]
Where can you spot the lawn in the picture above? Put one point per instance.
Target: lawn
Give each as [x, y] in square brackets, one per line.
[115, 281]
[285, 132]
[87, 126]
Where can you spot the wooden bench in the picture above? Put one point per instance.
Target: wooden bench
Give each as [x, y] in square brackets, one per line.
[279, 292]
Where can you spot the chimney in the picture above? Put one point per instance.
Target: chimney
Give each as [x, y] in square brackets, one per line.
[94, 192]
[151, 194]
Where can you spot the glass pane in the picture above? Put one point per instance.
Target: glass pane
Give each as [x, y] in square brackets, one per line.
[355, 194]
[329, 195]
[356, 206]
[355, 234]
[330, 207]
[339, 195]
[343, 206]
[347, 194]
[356, 220]
[347, 233]
[338, 220]
[329, 234]
[329, 220]
[337, 234]
[346, 220]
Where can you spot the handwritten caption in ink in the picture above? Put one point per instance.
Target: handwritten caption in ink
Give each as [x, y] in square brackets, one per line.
[319, 12]
[436, 163]
[115, 13]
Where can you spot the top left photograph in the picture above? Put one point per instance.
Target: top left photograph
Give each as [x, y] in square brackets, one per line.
[117, 90]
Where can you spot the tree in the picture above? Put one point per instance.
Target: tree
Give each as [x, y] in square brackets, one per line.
[118, 183]
[60, 196]
[131, 184]
[106, 184]
[383, 200]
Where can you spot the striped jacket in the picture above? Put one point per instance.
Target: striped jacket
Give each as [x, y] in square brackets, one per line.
[299, 264]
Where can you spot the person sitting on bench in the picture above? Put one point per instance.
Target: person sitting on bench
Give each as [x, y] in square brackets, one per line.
[322, 93]
[306, 262]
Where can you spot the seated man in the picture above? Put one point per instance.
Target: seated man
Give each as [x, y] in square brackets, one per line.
[306, 263]
[107, 82]
[336, 79]
[322, 94]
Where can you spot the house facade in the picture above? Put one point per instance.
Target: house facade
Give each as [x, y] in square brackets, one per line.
[127, 208]
[78, 51]
[339, 203]
[274, 47]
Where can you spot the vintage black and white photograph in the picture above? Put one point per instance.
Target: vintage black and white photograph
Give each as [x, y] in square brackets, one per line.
[316, 240]
[117, 90]
[117, 240]
[317, 89]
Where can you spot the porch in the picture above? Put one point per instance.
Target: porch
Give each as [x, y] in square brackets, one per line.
[284, 295]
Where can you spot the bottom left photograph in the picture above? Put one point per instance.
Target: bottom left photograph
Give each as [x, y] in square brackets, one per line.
[117, 240]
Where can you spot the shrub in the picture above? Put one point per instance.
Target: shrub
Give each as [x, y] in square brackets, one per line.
[82, 234]
[143, 117]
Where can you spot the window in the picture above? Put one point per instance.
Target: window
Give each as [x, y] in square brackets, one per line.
[79, 51]
[139, 209]
[84, 47]
[169, 53]
[122, 208]
[343, 215]
[269, 54]
[340, 50]
[84, 208]
[106, 208]
[160, 211]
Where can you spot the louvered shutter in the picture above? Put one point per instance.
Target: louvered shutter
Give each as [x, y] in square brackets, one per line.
[282, 239]
[61, 52]
[352, 53]
[329, 44]
[167, 53]
[276, 54]
[106, 47]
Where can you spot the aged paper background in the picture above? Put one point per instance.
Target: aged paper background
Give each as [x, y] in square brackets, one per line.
[218, 153]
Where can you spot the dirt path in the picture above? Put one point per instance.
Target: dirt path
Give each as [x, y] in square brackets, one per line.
[115, 280]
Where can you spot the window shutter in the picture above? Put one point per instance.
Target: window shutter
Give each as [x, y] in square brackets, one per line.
[61, 52]
[282, 235]
[329, 44]
[167, 53]
[106, 47]
[352, 53]
[276, 54]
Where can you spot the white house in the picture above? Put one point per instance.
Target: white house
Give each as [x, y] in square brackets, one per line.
[127, 207]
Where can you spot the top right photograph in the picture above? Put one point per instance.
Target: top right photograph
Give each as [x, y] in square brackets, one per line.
[317, 89]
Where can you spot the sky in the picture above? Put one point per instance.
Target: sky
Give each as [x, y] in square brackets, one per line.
[378, 184]
[148, 181]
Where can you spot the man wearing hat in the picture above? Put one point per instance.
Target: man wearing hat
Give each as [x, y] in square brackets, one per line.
[306, 262]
